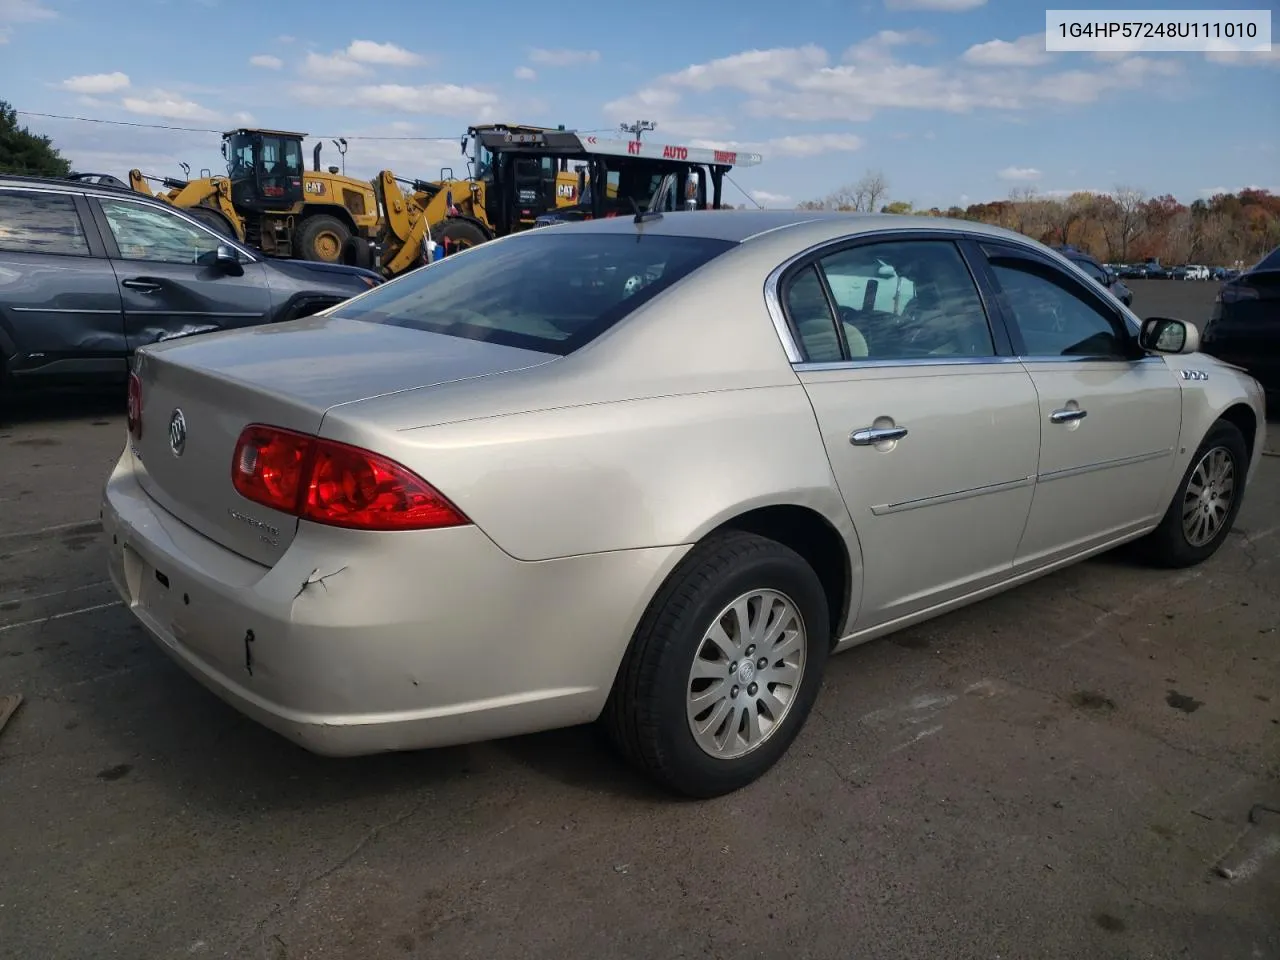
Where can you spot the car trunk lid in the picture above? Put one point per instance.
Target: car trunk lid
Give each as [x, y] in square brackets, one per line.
[198, 394]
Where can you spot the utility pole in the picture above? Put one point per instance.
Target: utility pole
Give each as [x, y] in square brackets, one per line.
[638, 127]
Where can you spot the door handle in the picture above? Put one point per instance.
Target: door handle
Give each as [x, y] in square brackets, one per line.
[146, 286]
[1067, 416]
[868, 436]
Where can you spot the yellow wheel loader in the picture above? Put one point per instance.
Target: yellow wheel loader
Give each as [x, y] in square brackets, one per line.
[270, 201]
[519, 177]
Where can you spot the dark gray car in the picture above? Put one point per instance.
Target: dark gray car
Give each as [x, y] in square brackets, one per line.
[90, 272]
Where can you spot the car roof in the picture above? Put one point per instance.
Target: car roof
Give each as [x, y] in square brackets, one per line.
[65, 183]
[740, 226]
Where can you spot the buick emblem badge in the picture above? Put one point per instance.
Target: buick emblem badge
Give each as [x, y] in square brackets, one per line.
[177, 432]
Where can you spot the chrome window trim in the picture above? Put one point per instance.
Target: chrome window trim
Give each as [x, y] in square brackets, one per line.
[819, 366]
[773, 303]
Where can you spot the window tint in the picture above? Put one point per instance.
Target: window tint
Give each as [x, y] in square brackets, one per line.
[1091, 270]
[32, 222]
[147, 233]
[902, 300]
[810, 314]
[546, 290]
[1054, 322]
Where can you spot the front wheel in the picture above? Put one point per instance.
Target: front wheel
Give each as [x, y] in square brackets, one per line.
[724, 667]
[1206, 502]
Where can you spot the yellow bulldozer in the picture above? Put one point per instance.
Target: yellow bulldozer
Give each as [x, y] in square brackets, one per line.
[519, 177]
[269, 200]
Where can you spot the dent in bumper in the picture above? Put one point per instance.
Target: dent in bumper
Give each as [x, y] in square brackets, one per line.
[366, 643]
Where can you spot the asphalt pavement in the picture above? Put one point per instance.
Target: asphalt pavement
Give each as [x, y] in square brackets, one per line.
[1064, 771]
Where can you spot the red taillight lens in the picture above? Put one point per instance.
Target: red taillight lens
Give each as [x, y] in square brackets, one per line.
[336, 484]
[133, 412]
[269, 466]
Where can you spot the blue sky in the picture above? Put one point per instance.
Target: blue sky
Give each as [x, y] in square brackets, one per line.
[954, 100]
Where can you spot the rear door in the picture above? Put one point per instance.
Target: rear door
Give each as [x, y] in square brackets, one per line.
[60, 309]
[170, 282]
[930, 424]
[1110, 416]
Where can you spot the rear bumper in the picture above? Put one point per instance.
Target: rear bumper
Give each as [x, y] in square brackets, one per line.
[357, 643]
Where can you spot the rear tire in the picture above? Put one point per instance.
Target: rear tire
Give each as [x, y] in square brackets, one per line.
[358, 252]
[1196, 523]
[654, 706]
[457, 235]
[213, 220]
[321, 238]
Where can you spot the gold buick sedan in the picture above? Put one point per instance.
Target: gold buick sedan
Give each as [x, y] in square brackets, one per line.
[651, 472]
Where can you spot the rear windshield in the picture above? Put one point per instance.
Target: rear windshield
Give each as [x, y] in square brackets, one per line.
[549, 290]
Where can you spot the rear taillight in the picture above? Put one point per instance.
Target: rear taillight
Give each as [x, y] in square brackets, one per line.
[335, 483]
[133, 411]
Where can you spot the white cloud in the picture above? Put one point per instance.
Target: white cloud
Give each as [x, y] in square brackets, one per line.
[243, 118]
[944, 6]
[525, 73]
[386, 54]
[751, 71]
[1083, 86]
[443, 99]
[1243, 58]
[169, 105]
[880, 45]
[767, 199]
[1027, 51]
[1022, 174]
[562, 58]
[266, 61]
[792, 146]
[332, 66]
[96, 83]
[25, 11]
[286, 38]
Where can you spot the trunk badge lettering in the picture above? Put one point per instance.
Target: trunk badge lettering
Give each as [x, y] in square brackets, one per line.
[177, 432]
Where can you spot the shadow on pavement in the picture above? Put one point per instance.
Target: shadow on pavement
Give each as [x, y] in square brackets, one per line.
[29, 407]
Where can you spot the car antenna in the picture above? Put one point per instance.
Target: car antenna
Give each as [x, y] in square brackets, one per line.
[643, 215]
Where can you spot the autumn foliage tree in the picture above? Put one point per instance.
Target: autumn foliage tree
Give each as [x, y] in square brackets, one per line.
[1123, 226]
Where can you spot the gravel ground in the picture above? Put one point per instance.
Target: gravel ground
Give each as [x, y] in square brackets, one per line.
[1054, 773]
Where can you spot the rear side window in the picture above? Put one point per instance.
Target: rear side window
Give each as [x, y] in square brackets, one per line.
[35, 222]
[548, 290]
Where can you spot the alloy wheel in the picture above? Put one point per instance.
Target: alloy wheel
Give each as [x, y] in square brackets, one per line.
[1208, 497]
[746, 673]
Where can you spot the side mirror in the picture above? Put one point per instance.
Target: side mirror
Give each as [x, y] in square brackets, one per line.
[1165, 335]
[228, 260]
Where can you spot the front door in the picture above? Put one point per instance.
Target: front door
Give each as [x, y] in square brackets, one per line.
[1110, 416]
[931, 427]
[170, 282]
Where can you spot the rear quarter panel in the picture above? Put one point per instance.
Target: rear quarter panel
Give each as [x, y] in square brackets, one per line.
[624, 475]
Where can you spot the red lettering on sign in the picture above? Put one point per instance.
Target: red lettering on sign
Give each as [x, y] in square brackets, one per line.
[726, 156]
[633, 146]
[675, 153]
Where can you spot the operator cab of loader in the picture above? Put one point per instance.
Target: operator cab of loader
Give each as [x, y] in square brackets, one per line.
[265, 168]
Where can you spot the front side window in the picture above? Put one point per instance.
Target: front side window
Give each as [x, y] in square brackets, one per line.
[36, 222]
[545, 290]
[144, 232]
[907, 299]
[1054, 320]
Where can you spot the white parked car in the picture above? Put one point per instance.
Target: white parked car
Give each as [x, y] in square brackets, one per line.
[651, 472]
[1197, 272]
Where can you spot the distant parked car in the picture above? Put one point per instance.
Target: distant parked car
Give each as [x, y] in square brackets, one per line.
[91, 272]
[1245, 326]
[1101, 273]
[652, 474]
[1197, 271]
